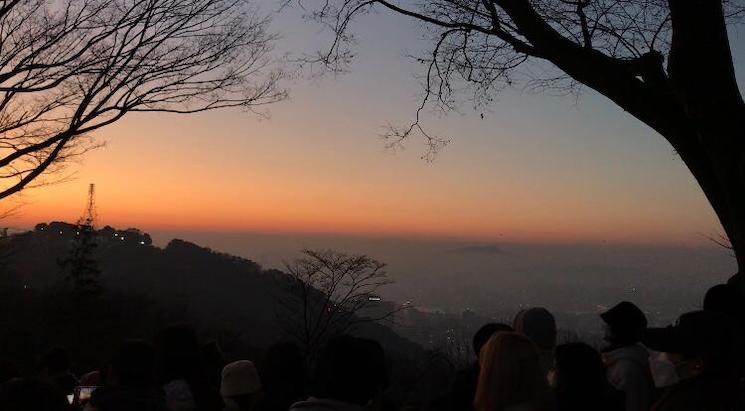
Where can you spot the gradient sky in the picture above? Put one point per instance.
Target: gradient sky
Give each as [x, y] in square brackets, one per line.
[535, 168]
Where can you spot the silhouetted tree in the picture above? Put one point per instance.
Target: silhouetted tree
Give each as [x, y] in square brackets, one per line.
[666, 62]
[326, 293]
[68, 68]
[81, 267]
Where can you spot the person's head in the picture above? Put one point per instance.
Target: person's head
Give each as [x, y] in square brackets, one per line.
[511, 373]
[485, 332]
[539, 325]
[31, 395]
[625, 324]
[722, 298]
[134, 364]
[240, 383]
[578, 368]
[283, 374]
[55, 362]
[350, 369]
[701, 342]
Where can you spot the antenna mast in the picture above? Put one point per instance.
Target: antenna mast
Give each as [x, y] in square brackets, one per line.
[89, 217]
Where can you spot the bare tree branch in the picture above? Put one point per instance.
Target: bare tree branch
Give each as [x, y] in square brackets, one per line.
[328, 294]
[483, 46]
[73, 67]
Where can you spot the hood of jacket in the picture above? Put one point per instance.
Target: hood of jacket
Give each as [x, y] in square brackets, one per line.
[636, 353]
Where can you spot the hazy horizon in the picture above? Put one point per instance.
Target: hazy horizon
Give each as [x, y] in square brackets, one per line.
[494, 278]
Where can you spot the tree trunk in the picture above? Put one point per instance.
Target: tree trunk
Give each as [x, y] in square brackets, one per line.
[716, 158]
[702, 78]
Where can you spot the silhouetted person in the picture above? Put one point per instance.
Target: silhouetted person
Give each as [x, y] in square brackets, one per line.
[21, 394]
[240, 386]
[539, 325]
[626, 359]
[283, 377]
[721, 298]
[511, 376]
[580, 383]
[132, 384]
[55, 368]
[350, 373]
[705, 348]
[463, 389]
[185, 380]
[377, 375]
[725, 299]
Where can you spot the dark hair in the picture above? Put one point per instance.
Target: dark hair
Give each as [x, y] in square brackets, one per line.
[350, 369]
[626, 323]
[578, 367]
[485, 332]
[31, 395]
[134, 364]
[722, 298]
[539, 325]
[581, 381]
[283, 376]
[510, 374]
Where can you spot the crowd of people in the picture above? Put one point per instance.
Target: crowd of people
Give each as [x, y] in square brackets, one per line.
[694, 364]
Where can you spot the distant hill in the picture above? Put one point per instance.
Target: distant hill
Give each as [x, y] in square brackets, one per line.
[219, 290]
[228, 299]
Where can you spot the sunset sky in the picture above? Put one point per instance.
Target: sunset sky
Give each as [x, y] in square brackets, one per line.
[536, 168]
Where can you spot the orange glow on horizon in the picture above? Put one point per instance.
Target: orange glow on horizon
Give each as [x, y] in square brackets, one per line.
[226, 172]
[306, 212]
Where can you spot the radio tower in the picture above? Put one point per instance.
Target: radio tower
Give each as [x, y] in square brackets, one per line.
[89, 218]
[81, 267]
